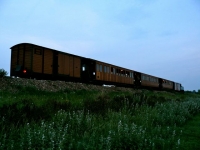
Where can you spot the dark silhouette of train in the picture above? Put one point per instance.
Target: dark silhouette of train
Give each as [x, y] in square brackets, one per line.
[33, 61]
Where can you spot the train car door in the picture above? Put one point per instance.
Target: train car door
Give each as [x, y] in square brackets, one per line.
[160, 83]
[88, 72]
[137, 77]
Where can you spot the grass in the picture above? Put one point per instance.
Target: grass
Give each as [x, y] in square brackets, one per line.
[81, 119]
[191, 134]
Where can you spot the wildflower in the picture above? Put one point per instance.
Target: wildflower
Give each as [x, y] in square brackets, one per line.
[179, 141]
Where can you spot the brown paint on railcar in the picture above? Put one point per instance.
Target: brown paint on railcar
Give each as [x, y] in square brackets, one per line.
[37, 61]
[77, 64]
[149, 83]
[27, 58]
[20, 54]
[63, 63]
[71, 66]
[48, 61]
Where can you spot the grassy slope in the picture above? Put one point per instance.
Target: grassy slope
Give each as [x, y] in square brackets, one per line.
[31, 104]
[191, 134]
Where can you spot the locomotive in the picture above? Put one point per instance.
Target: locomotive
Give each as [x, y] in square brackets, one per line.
[33, 61]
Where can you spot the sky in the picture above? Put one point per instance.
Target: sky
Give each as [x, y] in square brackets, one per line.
[156, 37]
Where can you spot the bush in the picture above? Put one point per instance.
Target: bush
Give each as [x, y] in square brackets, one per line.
[3, 73]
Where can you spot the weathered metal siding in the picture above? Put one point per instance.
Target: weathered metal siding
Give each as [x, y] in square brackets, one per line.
[37, 60]
[66, 65]
[69, 65]
[48, 61]
[61, 63]
[77, 64]
[27, 58]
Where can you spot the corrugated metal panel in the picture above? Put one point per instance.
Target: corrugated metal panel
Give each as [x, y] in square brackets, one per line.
[48, 61]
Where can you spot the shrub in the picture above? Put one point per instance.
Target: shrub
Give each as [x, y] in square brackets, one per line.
[3, 73]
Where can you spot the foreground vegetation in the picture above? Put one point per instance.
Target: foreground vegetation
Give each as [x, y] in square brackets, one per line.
[91, 119]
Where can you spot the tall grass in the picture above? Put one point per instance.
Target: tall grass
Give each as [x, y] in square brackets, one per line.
[94, 121]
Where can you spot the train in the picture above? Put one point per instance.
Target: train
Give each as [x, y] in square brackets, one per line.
[42, 63]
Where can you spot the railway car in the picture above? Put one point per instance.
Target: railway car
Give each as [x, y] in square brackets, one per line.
[33, 61]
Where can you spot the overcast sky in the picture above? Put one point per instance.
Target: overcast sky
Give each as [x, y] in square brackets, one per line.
[157, 37]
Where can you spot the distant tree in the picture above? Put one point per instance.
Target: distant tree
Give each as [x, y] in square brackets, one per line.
[194, 91]
[198, 90]
[3, 73]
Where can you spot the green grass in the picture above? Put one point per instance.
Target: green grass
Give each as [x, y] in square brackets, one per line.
[81, 119]
[191, 134]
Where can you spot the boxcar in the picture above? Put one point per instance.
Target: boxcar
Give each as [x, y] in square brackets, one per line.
[33, 61]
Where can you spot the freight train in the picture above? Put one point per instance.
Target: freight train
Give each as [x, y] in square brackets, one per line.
[33, 61]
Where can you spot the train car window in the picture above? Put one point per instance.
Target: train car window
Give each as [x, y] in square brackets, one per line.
[127, 73]
[83, 67]
[114, 71]
[111, 70]
[122, 72]
[100, 68]
[119, 72]
[97, 67]
[105, 69]
[108, 69]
